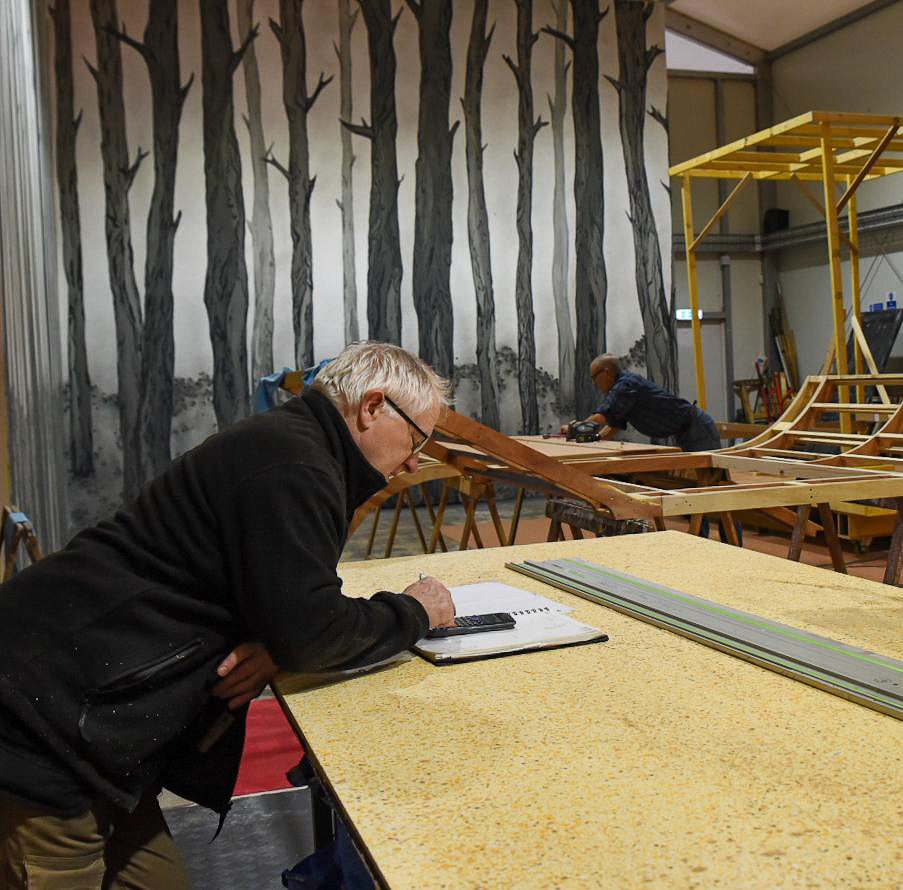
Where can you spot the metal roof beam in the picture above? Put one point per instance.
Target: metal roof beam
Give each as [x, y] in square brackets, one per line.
[829, 28]
[713, 38]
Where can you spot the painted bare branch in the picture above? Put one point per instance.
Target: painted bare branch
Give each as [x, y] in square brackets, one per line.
[527, 126]
[261, 220]
[384, 269]
[117, 176]
[347, 21]
[81, 436]
[434, 191]
[478, 216]
[298, 102]
[160, 51]
[634, 60]
[591, 286]
[560, 234]
[226, 284]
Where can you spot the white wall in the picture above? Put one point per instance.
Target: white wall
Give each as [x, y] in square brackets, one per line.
[857, 69]
[694, 130]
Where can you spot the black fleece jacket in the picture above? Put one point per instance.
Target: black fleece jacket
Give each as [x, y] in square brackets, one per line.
[108, 648]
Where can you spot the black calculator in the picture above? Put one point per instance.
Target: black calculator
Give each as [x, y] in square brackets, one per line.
[474, 624]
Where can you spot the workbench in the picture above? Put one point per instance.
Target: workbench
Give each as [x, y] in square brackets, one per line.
[646, 761]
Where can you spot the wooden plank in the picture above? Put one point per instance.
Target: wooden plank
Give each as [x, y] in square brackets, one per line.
[895, 552]
[721, 211]
[831, 539]
[686, 195]
[799, 532]
[859, 334]
[517, 455]
[870, 162]
[786, 495]
[777, 468]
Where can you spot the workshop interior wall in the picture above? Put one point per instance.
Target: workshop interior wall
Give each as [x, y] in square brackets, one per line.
[694, 130]
[535, 401]
[858, 69]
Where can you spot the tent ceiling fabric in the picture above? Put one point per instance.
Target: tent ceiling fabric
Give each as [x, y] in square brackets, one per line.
[767, 24]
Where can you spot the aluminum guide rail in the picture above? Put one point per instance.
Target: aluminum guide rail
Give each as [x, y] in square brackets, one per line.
[855, 674]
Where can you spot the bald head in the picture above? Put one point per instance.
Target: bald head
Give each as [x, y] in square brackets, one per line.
[605, 369]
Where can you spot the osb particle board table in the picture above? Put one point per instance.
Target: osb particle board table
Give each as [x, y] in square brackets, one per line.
[647, 761]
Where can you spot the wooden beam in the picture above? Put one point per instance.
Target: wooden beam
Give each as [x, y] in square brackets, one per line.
[860, 338]
[854, 248]
[833, 227]
[873, 157]
[833, 542]
[779, 495]
[738, 188]
[515, 454]
[693, 283]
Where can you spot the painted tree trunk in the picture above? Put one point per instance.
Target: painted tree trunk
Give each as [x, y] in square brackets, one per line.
[290, 33]
[81, 436]
[160, 51]
[591, 285]
[634, 61]
[527, 129]
[434, 191]
[478, 216]
[347, 21]
[261, 220]
[118, 176]
[384, 268]
[560, 234]
[226, 284]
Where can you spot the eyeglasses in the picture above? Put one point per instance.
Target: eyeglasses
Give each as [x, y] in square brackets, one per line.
[416, 449]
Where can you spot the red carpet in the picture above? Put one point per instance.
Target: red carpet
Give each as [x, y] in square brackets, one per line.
[271, 749]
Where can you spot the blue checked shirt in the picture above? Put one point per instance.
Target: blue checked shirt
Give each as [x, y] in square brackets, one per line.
[647, 407]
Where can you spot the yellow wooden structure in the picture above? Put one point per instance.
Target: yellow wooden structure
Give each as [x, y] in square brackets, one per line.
[833, 148]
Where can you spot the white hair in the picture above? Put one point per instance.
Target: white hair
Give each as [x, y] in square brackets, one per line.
[366, 365]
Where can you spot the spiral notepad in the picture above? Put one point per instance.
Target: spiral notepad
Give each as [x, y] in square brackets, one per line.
[541, 623]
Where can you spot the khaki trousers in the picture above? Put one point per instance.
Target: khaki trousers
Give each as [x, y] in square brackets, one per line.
[105, 848]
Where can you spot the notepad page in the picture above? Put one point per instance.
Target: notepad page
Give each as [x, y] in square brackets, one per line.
[532, 630]
[493, 596]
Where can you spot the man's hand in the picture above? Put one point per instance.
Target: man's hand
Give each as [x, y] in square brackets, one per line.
[434, 596]
[245, 671]
[564, 429]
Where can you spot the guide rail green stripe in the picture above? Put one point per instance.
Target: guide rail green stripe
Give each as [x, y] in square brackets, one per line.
[854, 674]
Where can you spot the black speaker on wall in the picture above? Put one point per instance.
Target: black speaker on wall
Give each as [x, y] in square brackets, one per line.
[775, 219]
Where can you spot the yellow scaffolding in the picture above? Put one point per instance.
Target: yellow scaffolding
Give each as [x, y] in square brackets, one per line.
[834, 148]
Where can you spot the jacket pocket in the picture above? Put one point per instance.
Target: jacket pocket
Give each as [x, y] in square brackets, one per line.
[135, 713]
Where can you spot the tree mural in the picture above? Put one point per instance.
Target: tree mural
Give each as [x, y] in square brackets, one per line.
[81, 435]
[160, 51]
[347, 20]
[560, 234]
[226, 283]
[591, 291]
[591, 286]
[118, 176]
[477, 215]
[433, 193]
[261, 220]
[527, 129]
[634, 61]
[384, 267]
[298, 103]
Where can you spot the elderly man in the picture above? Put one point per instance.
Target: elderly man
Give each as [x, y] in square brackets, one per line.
[222, 567]
[653, 411]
